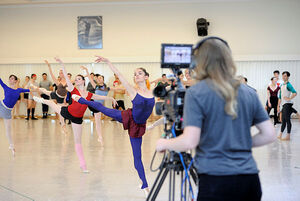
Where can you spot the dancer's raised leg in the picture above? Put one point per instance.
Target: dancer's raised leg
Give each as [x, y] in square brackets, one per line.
[41, 90]
[113, 113]
[56, 108]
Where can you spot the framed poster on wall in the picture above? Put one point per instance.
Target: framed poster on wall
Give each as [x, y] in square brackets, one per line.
[90, 32]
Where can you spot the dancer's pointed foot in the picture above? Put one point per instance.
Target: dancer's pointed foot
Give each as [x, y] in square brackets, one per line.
[37, 99]
[100, 139]
[148, 128]
[146, 191]
[76, 97]
[12, 149]
[84, 170]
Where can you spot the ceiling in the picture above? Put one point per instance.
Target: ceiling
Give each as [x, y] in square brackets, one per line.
[24, 2]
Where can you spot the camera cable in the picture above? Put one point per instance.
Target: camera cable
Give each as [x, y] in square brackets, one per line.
[185, 169]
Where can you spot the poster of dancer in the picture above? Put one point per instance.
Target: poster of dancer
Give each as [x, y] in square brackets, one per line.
[90, 32]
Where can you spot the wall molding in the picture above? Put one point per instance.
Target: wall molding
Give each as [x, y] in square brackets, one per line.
[144, 59]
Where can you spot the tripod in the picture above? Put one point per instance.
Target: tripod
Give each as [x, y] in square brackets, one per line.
[172, 164]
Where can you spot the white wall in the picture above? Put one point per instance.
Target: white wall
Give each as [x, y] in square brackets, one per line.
[134, 31]
[263, 35]
[258, 73]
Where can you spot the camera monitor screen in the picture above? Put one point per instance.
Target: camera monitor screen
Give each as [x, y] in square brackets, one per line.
[176, 55]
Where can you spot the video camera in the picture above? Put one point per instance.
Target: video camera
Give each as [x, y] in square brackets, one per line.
[175, 57]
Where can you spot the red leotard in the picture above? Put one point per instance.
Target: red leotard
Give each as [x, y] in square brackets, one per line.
[76, 109]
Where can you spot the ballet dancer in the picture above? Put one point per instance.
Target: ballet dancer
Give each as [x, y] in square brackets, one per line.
[11, 96]
[287, 93]
[99, 88]
[133, 119]
[75, 111]
[31, 103]
[59, 95]
[272, 102]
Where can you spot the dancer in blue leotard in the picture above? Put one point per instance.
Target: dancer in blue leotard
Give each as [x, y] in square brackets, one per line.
[11, 96]
[133, 119]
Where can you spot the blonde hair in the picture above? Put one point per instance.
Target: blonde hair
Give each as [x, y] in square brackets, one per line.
[214, 62]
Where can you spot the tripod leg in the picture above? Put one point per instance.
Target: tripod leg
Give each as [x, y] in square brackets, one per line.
[156, 181]
[173, 187]
[185, 186]
[155, 190]
[181, 177]
[194, 175]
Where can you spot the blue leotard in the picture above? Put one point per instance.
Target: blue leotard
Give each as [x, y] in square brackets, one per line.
[142, 108]
[11, 95]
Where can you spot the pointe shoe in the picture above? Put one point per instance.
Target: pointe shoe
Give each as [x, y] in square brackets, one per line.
[146, 191]
[12, 149]
[84, 170]
[37, 99]
[75, 97]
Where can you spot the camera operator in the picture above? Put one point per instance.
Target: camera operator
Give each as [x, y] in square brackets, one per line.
[218, 115]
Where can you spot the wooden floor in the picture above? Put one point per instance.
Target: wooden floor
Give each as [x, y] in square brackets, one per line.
[46, 167]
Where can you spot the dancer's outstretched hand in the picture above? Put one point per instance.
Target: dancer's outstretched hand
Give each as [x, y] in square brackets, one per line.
[114, 102]
[100, 59]
[86, 70]
[47, 62]
[83, 68]
[58, 60]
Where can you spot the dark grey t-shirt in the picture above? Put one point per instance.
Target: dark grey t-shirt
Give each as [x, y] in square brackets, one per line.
[225, 143]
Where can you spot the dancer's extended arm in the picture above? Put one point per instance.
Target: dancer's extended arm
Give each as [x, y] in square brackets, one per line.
[130, 89]
[51, 73]
[159, 122]
[89, 76]
[69, 83]
[3, 84]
